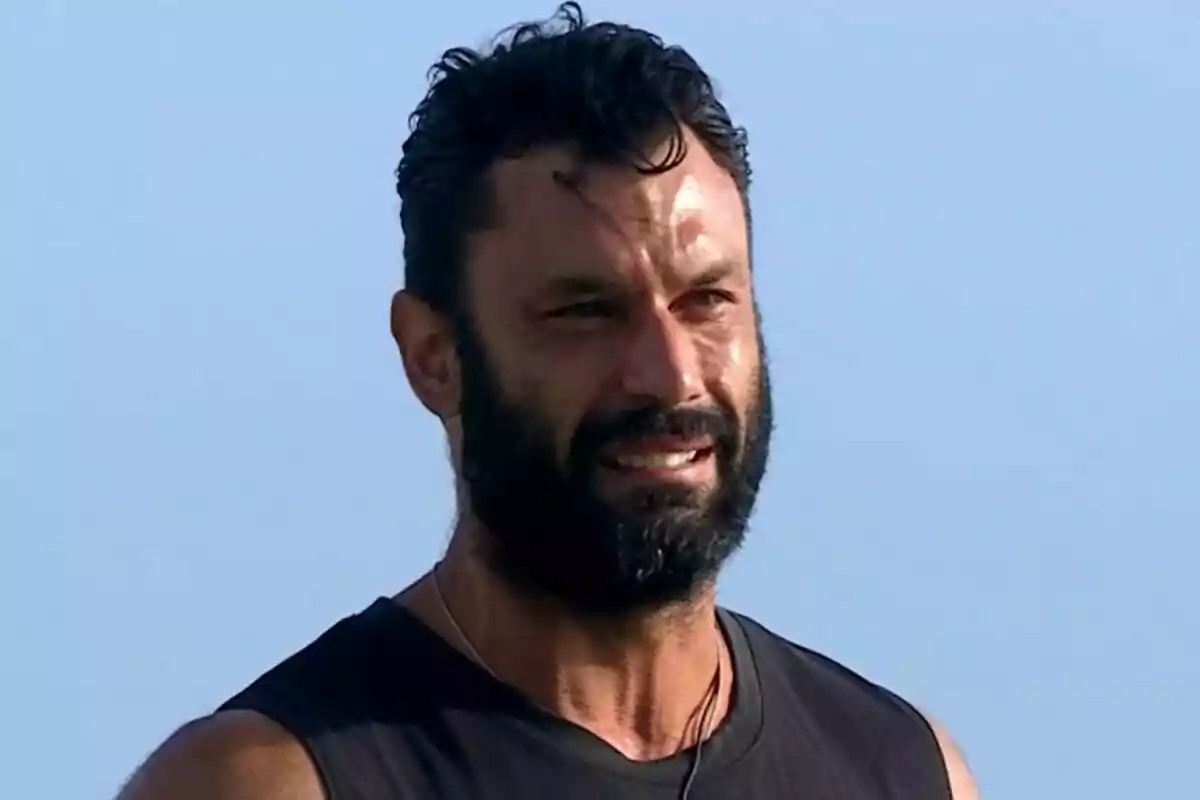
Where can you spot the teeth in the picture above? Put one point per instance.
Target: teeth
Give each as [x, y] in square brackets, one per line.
[656, 460]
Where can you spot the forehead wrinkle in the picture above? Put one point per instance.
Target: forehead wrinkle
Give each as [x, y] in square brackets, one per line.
[680, 209]
[643, 227]
[628, 218]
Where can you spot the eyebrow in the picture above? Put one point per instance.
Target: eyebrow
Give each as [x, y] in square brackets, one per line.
[577, 285]
[585, 285]
[714, 274]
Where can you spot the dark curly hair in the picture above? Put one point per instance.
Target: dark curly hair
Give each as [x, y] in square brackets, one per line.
[611, 91]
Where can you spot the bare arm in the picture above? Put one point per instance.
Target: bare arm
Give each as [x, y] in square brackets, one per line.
[234, 755]
[962, 785]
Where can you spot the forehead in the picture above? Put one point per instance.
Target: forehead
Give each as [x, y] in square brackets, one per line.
[552, 215]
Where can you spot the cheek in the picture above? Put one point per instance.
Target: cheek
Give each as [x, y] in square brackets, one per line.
[728, 355]
[730, 362]
[570, 373]
[548, 377]
[556, 408]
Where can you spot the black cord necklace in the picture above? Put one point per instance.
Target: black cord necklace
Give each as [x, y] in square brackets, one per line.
[710, 708]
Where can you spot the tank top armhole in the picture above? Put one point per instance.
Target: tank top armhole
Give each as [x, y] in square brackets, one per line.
[294, 723]
[922, 723]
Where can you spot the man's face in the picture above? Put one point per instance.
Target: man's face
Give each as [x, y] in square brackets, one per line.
[615, 406]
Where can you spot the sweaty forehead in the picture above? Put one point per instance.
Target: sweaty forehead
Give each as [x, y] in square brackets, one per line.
[551, 214]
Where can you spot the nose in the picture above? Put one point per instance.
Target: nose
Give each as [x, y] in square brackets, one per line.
[661, 365]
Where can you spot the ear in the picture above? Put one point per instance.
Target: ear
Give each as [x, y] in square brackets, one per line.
[426, 343]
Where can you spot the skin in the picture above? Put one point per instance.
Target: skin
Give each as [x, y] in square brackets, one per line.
[632, 288]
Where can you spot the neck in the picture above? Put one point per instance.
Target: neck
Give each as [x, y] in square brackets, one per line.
[639, 682]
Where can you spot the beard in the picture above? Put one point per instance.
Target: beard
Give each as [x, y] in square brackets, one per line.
[549, 532]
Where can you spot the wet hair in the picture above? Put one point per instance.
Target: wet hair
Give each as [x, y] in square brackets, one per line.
[612, 92]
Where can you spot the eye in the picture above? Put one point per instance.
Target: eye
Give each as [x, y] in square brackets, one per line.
[587, 309]
[712, 297]
[706, 300]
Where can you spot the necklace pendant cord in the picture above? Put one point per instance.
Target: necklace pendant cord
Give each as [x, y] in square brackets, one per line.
[707, 707]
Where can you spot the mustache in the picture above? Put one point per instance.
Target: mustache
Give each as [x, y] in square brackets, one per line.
[596, 432]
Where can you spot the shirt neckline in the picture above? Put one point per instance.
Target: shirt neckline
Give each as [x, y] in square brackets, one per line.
[731, 741]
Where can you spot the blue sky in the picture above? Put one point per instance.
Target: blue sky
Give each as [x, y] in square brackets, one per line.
[977, 243]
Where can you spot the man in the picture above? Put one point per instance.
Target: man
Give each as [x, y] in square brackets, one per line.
[579, 314]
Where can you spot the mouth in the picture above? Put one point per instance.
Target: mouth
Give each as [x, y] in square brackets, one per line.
[661, 457]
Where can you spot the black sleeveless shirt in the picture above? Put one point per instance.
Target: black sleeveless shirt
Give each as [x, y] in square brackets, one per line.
[387, 710]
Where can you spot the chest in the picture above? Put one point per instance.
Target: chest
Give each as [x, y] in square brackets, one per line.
[491, 764]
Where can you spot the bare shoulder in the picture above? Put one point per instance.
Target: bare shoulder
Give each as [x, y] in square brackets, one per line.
[962, 784]
[232, 755]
